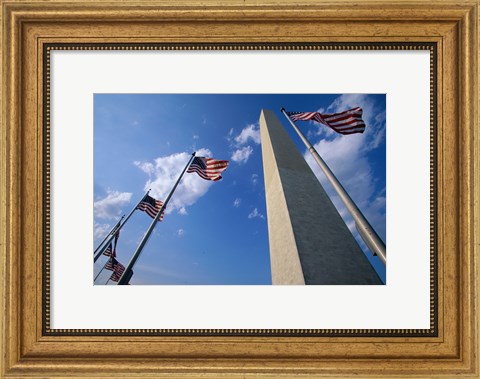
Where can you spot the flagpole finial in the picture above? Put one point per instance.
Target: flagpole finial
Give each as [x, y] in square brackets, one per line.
[281, 110]
[193, 154]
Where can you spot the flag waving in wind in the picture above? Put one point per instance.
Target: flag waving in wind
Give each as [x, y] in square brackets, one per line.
[113, 264]
[116, 267]
[208, 168]
[347, 122]
[151, 207]
[108, 250]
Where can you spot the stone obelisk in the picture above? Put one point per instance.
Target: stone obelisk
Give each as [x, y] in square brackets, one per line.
[309, 241]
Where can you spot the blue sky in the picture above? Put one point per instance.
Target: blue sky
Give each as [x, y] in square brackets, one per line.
[216, 232]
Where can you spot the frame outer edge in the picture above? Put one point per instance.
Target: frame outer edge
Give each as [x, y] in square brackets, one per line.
[474, 109]
[3, 193]
[10, 182]
[468, 67]
[248, 10]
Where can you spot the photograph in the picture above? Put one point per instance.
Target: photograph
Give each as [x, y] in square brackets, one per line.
[239, 189]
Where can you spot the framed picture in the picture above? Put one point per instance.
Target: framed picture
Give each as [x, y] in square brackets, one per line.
[341, 240]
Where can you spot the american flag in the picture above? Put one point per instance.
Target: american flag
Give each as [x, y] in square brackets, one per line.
[208, 168]
[151, 206]
[116, 267]
[347, 122]
[108, 250]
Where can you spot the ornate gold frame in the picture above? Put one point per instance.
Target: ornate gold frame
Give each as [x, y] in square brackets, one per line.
[29, 26]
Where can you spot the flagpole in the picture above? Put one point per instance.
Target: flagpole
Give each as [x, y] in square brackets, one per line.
[111, 232]
[100, 272]
[112, 255]
[366, 231]
[98, 255]
[125, 278]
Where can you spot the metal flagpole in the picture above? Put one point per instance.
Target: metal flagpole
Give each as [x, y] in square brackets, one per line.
[98, 255]
[368, 234]
[111, 232]
[109, 259]
[99, 273]
[103, 268]
[125, 278]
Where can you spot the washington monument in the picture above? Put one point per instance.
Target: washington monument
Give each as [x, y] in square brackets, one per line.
[309, 241]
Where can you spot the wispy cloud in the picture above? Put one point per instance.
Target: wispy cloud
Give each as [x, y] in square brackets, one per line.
[237, 202]
[100, 230]
[240, 143]
[163, 172]
[182, 211]
[374, 120]
[111, 206]
[347, 157]
[241, 155]
[255, 213]
[146, 167]
[250, 132]
[254, 179]
[180, 232]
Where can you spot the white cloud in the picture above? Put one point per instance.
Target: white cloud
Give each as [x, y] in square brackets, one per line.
[250, 132]
[243, 151]
[100, 230]
[229, 136]
[255, 214]
[146, 167]
[241, 155]
[378, 134]
[195, 137]
[374, 121]
[111, 206]
[347, 158]
[254, 178]
[180, 232]
[182, 211]
[237, 202]
[164, 174]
